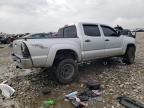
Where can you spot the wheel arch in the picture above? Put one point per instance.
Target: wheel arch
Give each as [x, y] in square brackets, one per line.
[130, 45]
[62, 49]
[65, 52]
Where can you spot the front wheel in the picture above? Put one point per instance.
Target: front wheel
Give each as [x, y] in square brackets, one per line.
[67, 71]
[130, 55]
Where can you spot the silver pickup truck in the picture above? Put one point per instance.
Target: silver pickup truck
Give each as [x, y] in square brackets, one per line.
[73, 44]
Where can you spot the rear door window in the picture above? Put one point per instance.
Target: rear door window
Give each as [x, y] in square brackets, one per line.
[91, 30]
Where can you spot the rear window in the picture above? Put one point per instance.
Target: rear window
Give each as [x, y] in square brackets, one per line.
[91, 30]
[68, 32]
[60, 33]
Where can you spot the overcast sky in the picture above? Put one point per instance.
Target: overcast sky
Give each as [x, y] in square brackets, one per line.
[19, 16]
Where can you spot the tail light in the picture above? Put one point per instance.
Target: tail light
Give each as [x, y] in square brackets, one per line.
[25, 51]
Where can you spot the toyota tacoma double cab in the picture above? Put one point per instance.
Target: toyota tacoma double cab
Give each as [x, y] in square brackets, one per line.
[72, 45]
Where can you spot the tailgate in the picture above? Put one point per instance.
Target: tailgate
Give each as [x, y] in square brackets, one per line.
[17, 48]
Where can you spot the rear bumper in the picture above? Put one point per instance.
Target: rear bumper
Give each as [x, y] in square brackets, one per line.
[22, 62]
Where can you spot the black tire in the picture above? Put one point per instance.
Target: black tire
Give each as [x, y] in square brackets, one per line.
[67, 71]
[130, 55]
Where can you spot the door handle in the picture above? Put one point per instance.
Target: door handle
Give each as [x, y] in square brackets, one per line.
[87, 40]
[107, 40]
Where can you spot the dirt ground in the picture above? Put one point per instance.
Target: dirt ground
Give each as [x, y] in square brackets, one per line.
[116, 78]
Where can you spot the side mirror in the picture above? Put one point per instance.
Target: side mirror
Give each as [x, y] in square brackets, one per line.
[132, 34]
[119, 33]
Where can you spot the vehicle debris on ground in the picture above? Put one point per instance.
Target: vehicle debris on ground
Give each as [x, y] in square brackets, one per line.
[92, 93]
[6, 90]
[129, 103]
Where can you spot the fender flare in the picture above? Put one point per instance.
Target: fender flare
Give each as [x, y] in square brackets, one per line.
[54, 49]
[126, 47]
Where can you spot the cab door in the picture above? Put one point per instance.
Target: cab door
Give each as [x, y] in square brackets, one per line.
[113, 42]
[93, 42]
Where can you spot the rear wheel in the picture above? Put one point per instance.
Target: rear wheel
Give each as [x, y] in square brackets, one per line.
[130, 55]
[66, 71]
